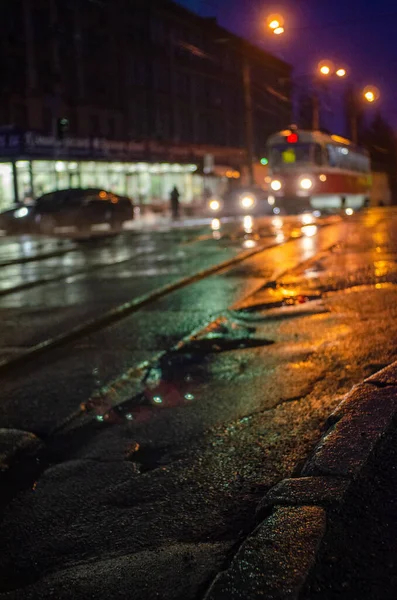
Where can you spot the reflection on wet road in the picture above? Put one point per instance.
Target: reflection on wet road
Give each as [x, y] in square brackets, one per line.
[102, 274]
[165, 429]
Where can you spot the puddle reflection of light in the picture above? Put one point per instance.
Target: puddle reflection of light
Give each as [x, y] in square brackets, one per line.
[248, 224]
[309, 230]
[249, 244]
[308, 246]
[381, 268]
[215, 224]
[277, 222]
[216, 235]
[307, 219]
[280, 237]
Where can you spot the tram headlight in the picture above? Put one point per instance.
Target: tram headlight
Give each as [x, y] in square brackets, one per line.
[215, 205]
[276, 185]
[306, 183]
[247, 201]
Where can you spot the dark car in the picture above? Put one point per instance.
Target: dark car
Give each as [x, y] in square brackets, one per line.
[84, 211]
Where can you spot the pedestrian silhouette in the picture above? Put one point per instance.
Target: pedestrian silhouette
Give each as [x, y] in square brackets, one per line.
[174, 198]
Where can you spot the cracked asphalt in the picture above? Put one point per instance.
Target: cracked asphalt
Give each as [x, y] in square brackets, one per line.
[152, 476]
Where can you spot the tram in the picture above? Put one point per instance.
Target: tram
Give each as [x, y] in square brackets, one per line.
[312, 170]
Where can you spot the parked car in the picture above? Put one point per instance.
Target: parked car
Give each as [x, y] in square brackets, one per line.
[85, 211]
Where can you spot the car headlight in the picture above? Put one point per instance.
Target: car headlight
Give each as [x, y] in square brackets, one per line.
[271, 200]
[276, 185]
[247, 201]
[306, 183]
[215, 205]
[21, 212]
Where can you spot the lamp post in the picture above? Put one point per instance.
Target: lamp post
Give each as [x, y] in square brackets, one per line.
[248, 120]
[370, 94]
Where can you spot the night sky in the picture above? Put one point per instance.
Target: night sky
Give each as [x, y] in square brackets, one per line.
[360, 36]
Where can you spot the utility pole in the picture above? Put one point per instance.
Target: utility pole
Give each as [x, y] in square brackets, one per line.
[316, 111]
[248, 120]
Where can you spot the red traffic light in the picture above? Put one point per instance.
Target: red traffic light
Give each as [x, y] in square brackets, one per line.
[292, 138]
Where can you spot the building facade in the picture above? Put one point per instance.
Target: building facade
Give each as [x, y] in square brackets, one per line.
[153, 96]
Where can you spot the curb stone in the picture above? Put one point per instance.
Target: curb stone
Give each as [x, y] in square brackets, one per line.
[19, 456]
[275, 560]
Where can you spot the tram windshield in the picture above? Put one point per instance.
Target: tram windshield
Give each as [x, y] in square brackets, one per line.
[290, 155]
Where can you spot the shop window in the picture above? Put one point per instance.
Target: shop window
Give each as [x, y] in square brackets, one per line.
[6, 186]
[25, 191]
[44, 177]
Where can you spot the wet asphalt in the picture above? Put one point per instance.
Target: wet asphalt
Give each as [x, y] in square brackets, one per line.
[151, 477]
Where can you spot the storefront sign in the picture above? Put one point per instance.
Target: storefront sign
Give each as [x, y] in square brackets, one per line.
[31, 144]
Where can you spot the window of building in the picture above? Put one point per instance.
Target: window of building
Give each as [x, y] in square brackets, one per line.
[161, 75]
[111, 127]
[44, 177]
[24, 181]
[138, 72]
[183, 83]
[159, 32]
[94, 126]
[20, 116]
[6, 186]
[47, 120]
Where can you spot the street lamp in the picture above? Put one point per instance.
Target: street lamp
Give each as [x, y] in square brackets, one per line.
[325, 70]
[276, 24]
[371, 94]
[341, 73]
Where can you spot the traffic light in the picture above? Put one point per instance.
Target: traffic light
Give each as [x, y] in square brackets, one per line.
[62, 127]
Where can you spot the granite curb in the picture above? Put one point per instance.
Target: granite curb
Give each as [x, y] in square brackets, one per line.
[275, 560]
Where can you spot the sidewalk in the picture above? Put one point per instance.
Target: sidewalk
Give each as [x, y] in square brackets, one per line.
[358, 556]
[330, 532]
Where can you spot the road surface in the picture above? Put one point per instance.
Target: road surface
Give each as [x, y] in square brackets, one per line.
[165, 425]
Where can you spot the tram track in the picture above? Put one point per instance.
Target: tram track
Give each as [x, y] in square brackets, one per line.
[125, 309]
[27, 285]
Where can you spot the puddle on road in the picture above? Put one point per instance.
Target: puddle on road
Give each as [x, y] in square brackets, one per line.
[174, 378]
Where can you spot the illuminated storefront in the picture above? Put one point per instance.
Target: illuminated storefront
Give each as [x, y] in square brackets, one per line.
[32, 165]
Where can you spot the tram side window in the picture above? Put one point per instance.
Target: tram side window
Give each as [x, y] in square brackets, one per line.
[318, 155]
[332, 157]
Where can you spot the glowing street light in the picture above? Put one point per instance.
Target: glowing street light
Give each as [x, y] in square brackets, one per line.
[341, 73]
[276, 24]
[371, 94]
[325, 68]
